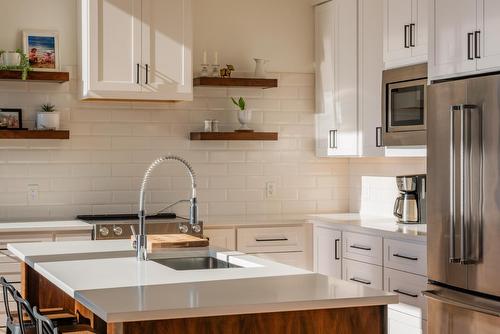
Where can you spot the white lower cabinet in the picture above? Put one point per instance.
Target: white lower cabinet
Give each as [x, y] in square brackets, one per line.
[362, 273]
[295, 259]
[327, 251]
[221, 237]
[402, 323]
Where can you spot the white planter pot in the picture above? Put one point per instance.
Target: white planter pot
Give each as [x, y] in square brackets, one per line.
[47, 121]
[260, 70]
[244, 117]
[11, 58]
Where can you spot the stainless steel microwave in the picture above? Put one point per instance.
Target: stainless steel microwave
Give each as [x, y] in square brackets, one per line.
[404, 106]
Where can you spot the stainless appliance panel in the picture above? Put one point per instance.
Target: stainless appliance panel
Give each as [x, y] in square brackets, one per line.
[483, 239]
[439, 186]
[451, 312]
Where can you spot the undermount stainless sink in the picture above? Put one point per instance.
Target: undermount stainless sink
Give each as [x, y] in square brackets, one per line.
[195, 263]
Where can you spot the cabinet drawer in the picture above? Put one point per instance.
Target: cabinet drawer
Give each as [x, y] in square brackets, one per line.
[221, 237]
[294, 259]
[362, 247]
[403, 323]
[362, 273]
[6, 256]
[405, 256]
[82, 236]
[17, 238]
[12, 278]
[409, 287]
[10, 267]
[270, 239]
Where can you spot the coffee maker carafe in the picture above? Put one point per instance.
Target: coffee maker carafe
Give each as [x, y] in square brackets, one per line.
[409, 207]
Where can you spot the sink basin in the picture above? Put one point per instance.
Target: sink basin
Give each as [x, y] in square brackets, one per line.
[195, 263]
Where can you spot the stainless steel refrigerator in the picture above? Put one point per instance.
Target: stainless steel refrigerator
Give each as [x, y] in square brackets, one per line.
[463, 206]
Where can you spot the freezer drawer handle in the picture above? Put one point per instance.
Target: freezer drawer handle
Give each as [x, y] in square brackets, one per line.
[406, 257]
[433, 295]
[360, 280]
[361, 247]
[271, 239]
[405, 293]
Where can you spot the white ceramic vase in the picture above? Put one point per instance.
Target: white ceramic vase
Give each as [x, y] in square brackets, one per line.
[244, 117]
[48, 120]
[260, 67]
[11, 58]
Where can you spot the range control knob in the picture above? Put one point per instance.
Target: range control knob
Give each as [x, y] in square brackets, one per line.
[117, 230]
[104, 231]
[183, 228]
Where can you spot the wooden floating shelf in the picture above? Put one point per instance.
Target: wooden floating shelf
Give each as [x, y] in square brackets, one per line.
[36, 76]
[34, 134]
[236, 82]
[234, 136]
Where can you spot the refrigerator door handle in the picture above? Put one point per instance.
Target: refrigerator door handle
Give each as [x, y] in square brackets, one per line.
[452, 258]
[436, 296]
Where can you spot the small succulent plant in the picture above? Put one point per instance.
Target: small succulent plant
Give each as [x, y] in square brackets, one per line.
[48, 107]
[240, 103]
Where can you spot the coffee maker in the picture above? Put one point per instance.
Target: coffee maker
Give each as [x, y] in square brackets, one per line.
[410, 205]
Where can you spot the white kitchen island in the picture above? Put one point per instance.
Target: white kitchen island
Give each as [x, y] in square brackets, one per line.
[103, 282]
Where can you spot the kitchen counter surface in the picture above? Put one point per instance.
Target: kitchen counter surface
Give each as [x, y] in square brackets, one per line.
[44, 226]
[383, 226]
[105, 277]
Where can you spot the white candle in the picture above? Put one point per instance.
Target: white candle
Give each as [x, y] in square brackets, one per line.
[216, 58]
[204, 57]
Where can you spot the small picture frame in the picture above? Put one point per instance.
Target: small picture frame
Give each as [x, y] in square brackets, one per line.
[11, 118]
[42, 49]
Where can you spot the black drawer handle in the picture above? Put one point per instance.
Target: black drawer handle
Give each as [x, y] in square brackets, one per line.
[360, 280]
[361, 247]
[270, 239]
[406, 257]
[405, 293]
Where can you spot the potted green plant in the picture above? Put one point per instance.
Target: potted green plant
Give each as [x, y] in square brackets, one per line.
[244, 114]
[47, 118]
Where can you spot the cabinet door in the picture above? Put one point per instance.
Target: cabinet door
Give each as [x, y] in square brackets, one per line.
[111, 48]
[488, 39]
[420, 31]
[327, 252]
[452, 25]
[166, 49]
[397, 19]
[337, 127]
[224, 237]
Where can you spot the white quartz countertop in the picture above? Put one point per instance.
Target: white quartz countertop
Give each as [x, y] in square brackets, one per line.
[383, 226]
[44, 226]
[106, 278]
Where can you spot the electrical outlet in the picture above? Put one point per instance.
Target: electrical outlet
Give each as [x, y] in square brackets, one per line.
[32, 193]
[270, 189]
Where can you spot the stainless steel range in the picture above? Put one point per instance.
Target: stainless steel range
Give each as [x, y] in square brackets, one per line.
[122, 226]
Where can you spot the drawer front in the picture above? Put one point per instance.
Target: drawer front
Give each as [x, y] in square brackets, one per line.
[17, 238]
[294, 259]
[11, 267]
[82, 236]
[362, 247]
[12, 277]
[270, 239]
[221, 237]
[362, 273]
[6, 256]
[405, 256]
[409, 287]
[402, 323]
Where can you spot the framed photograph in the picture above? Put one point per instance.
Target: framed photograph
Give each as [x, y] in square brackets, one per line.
[11, 118]
[42, 49]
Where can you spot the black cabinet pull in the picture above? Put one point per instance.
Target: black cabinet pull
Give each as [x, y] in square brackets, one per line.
[378, 136]
[477, 44]
[406, 36]
[138, 73]
[412, 34]
[337, 257]
[406, 257]
[270, 239]
[147, 74]
[360, 247]
[359, 280]
[470, 36]
[405, 293]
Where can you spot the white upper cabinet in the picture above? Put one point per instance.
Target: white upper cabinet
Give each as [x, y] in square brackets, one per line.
[464, 38]
[405, 32]
[349, 65]
[136, 49]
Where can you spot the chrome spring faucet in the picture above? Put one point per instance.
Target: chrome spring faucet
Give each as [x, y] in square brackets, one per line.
[141, 238]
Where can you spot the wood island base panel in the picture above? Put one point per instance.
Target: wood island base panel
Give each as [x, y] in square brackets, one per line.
[354, 320]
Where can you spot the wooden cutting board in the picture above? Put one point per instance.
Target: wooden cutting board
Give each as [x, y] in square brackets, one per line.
[157, 241]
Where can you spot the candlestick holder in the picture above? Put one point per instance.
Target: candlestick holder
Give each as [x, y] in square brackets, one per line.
[215, 70]
[204, 70]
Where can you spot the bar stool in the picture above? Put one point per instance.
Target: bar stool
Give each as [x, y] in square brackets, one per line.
[45, 326]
